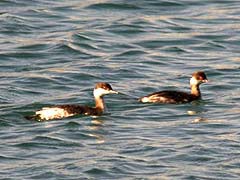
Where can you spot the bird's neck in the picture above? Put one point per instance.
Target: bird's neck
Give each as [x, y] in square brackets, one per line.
[195, 90]
[100, 104]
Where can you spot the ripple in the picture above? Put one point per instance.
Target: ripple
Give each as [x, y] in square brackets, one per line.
[131, 53]
[72, 125]
[113, 6]
[159, 43]
[96, 171]
[47, 142]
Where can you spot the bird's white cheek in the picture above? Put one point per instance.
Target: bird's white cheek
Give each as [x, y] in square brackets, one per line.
[99, 92]
[194, 81]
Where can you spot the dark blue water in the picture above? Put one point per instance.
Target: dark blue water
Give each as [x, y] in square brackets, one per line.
[53, 52]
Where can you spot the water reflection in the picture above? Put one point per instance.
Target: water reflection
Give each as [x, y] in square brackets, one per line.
[94, 128]
[199, 120]
[197, 111]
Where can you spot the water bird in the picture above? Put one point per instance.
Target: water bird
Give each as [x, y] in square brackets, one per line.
[62, 111]
[177, 97]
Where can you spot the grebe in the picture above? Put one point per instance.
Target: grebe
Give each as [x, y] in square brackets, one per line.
[61, 111]
[176, 97]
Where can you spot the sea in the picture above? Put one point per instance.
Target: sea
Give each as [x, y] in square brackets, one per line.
[54, 52]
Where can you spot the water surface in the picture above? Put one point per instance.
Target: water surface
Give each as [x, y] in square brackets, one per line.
[54, 52]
